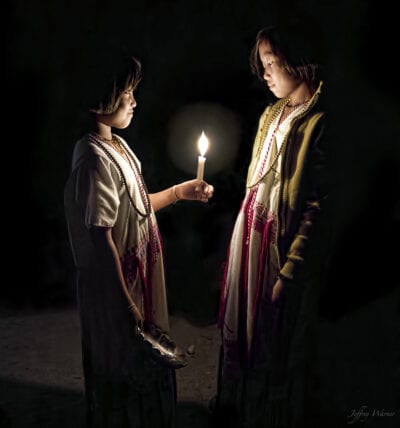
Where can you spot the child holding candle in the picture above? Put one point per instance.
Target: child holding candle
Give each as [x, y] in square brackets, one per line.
[276, 255]
[118, 255]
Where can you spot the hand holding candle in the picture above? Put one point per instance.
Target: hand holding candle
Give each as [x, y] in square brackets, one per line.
[192, 190]
[203, 146]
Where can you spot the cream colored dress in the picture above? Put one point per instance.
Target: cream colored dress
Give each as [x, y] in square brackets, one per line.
[124, 385]
[104, 198]
[248, 277]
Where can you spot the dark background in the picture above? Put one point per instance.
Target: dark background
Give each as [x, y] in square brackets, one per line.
[195, 52]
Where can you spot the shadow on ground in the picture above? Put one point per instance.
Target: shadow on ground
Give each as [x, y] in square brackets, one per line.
[41, 382]
[24, 405]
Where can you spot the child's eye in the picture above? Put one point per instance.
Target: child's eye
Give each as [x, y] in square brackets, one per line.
[268, 63]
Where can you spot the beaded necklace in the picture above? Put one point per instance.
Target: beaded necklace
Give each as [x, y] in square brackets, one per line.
[278, 122]
[264, 131]
[97, 140]
[113, 141]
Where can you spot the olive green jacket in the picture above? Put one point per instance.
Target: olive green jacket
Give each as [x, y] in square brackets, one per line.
[304, 184]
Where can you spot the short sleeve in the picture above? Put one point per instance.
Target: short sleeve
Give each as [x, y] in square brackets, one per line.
[103, 198]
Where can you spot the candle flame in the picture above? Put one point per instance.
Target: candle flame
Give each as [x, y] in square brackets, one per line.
[203, 144]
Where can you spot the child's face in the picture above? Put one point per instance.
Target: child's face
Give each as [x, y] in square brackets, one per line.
[122, 117]
[279, 82]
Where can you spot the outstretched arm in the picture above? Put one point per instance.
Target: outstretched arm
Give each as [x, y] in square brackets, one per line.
[188, 190]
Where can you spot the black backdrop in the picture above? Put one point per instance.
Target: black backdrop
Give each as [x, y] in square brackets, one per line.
[194, 52]
[197, 52]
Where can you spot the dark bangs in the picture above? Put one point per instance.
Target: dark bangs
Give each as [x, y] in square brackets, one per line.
[296, 50]
[126, 76]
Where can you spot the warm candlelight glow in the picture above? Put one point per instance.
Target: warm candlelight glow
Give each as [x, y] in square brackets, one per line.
[203, 144]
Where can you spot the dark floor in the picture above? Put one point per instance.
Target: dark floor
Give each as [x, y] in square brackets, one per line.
[41, 384]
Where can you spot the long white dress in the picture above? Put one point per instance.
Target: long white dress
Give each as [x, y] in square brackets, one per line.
[247, 315]
[124, 386]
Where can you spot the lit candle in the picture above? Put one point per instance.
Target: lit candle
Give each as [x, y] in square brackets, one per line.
[203, 146]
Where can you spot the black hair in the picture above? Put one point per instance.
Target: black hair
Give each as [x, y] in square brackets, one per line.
[297, 49]
[104, 78]
[124, 75]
